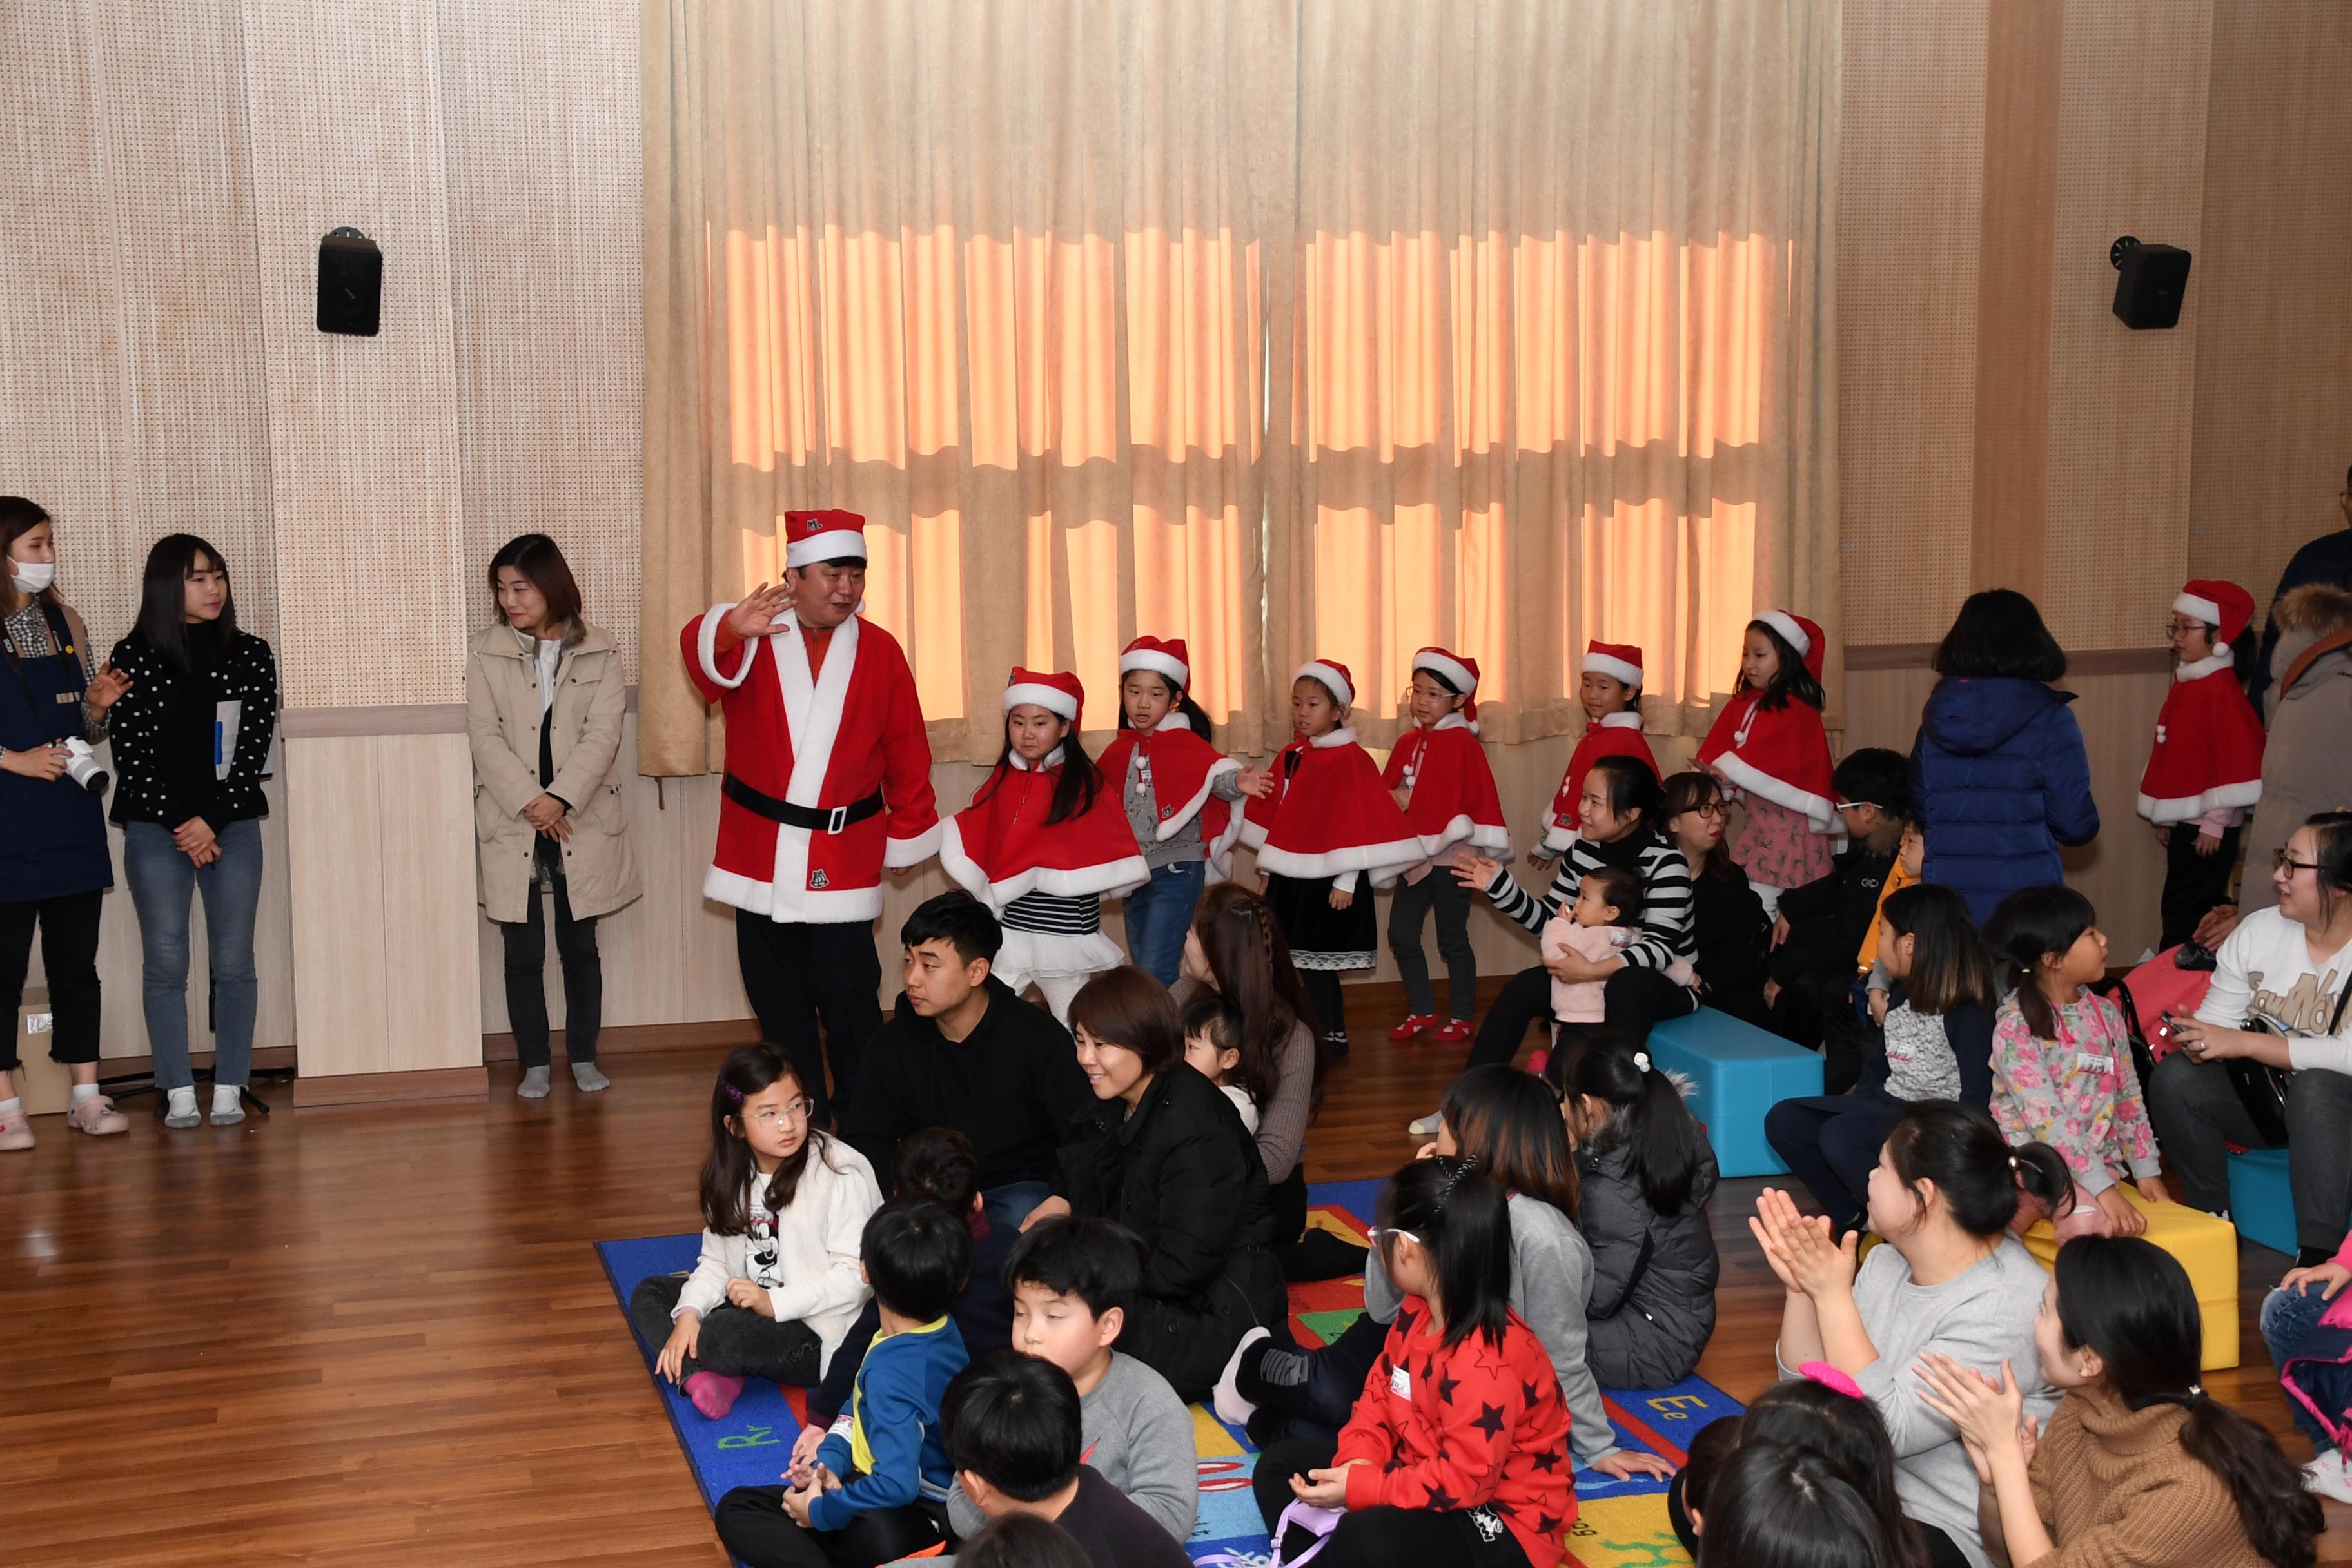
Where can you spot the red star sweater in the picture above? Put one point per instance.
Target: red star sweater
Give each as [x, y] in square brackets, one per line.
[1466, 1427]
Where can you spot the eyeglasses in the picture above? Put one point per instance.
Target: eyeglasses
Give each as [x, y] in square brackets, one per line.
[1859, 804]
[1378, 1231]
[791, 1110]
[1712, 808]
[2279, 862]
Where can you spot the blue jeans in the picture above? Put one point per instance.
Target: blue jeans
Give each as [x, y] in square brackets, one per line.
[1008, 1206]
[1158, 913]
[2289, 1319]
[163, 884]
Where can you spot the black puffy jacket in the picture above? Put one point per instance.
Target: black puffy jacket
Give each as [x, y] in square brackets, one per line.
[1652, 1307]
[1181, 1172]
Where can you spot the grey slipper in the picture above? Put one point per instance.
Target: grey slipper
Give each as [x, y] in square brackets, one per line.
[533, 1084]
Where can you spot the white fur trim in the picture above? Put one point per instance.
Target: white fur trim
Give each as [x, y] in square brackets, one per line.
[1158, 663]
[1219, 851]
[1171, 827]
[1020, 764]
[833, 544]
[1052, 698]
[1333, 681]
[804, 906]
[1792, 634]
[1610, 664]
[1557, 838]
[706, 648]
[1382, 861]
[901, 853]
[1456, 721]
[2164, 813]
[1453, 669]
[2205, 610]
[1820, 814]
[1345, 735]
[1174, 718]
[1629, 720]
[1252, 834]
[1485, 838]
[2214, 663]
[1111, 879]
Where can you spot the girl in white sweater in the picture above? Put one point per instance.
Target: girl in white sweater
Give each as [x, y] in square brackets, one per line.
[784, 1207]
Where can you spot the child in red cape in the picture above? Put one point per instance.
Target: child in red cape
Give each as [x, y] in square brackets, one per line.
[1177, 793]
[1768, 743]
[2206, 769]
[1610, 690]
[1324, 827]
[1438, 772]
[1042, 843]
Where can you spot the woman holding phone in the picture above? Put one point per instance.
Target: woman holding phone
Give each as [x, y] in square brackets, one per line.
[54, 866]
[192, 742]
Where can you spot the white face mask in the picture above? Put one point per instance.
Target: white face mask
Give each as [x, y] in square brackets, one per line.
[31, 577]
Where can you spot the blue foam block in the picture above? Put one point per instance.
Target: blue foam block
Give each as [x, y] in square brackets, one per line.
[2261, 1204]
[1738, 1072]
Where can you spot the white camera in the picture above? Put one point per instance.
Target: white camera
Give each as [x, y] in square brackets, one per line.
[84, 769]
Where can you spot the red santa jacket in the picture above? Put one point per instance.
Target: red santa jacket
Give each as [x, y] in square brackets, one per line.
[1002, 847]
[1454, 799]
[823, 741]
[1475, 1425]
[1330, 815]
[1614, 735]
[1780, 755]
[2209, 745]
[1181, 767]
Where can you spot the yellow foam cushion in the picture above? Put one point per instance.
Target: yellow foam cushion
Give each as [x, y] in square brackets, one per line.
[2206, 1245]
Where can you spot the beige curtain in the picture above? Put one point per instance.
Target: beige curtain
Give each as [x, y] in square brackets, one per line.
[1539, 291]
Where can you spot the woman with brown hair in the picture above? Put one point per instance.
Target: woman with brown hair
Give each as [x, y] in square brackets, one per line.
[1235, 947]
[54, 863]
[1164, 1153]
[1507, 1122]
[545, 696]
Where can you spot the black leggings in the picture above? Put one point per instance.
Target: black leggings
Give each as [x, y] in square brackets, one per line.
[68, 957]
[734, 1342]
[2193, 883]
[1384, 1537]
[1318, 1389]
[752, 1523]
[1324, 995]
[1632, 1001]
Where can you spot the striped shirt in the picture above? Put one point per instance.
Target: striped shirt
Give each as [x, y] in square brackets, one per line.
[1668, 932]
[1056, 916]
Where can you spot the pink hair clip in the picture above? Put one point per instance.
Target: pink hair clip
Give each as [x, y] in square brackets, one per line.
[1829, 1377]
[732, 1092]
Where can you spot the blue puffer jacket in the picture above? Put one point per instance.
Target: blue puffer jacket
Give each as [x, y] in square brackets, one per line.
[1999, 779]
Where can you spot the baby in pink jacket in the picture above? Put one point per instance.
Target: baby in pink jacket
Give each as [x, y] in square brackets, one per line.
[1601, 922]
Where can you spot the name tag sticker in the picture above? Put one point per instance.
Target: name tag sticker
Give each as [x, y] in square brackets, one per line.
[2090, 1063]
[67, 698]
[1400, 1382]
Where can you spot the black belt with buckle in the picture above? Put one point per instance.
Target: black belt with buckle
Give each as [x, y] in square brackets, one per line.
[815, 818]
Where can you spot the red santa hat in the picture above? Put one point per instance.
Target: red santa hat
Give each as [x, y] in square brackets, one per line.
[2217, 603]
[1458, 670]
[827, 535]
[1166, 657]
[1334, 677]
[1800, 634]
[1059, 692]
[1621, 660]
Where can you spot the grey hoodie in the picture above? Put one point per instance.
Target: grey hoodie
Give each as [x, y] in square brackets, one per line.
[2305, 762]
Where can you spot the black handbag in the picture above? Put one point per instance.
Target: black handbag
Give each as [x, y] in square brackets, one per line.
[2263, 1088]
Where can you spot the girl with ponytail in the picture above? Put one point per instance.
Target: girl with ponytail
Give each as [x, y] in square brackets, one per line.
[2138, 1465]
[1951, 1281]
[1646, 1173]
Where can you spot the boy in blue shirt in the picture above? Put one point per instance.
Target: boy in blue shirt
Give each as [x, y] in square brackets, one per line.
[874, 1487]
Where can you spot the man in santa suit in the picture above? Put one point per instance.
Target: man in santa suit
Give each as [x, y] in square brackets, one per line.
[828, 782]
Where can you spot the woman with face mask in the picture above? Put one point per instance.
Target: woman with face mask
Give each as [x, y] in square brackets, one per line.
[54, 865]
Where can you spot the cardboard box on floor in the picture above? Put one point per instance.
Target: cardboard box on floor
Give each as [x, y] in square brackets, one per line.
[45, 1086]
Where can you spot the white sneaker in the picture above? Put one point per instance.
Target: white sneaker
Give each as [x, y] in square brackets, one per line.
[1425, 1126]
[2329, 1476]
[1227, 1401]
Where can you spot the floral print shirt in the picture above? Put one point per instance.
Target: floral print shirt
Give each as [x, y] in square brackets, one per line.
[2078, 1093]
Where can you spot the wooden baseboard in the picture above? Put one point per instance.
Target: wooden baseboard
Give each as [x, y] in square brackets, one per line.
[637, 1039]
[375, 1087]
[267, 1059]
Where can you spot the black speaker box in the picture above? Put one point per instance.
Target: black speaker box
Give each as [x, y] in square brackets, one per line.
[351, 283]
[2152, 279]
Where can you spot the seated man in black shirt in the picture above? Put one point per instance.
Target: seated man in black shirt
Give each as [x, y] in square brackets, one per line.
[1817, 938]
[963, 1051]
[1012, 1428]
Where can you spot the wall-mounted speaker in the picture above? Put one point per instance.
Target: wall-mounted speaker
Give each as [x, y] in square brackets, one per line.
[351, 283]
[2151, 280]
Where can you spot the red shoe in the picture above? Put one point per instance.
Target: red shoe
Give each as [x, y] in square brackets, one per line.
[1455, 1031]
[1414, 1026]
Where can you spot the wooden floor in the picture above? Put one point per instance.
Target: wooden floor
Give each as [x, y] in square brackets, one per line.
[380, 1334]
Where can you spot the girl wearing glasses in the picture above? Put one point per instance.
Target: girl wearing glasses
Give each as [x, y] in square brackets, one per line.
[2284, 970]
[784, 1207]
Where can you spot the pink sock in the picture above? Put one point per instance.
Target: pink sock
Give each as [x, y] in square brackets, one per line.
[713, 1394]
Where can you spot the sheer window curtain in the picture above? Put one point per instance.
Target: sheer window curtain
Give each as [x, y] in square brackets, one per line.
[1540, 293]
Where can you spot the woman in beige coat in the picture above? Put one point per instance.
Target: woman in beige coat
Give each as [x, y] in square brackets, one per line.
[544, 699]
[2307, 761]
